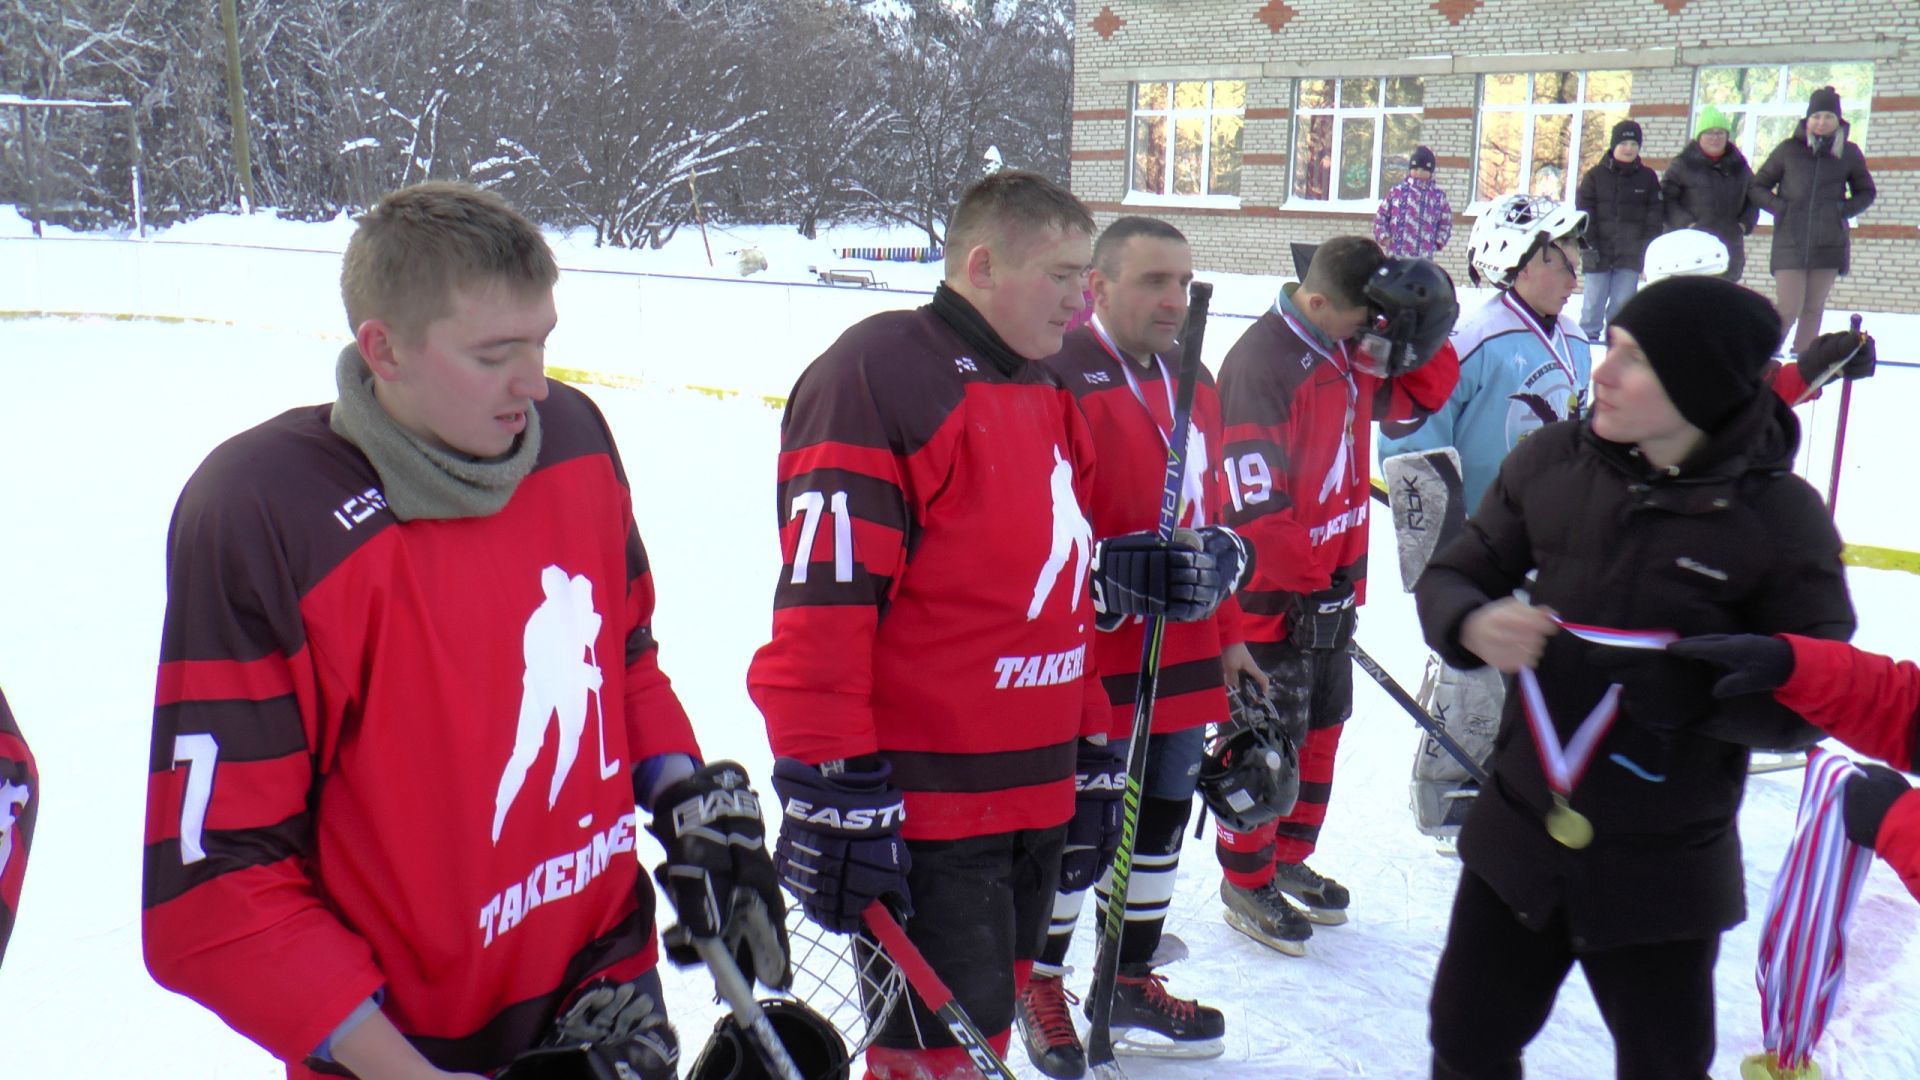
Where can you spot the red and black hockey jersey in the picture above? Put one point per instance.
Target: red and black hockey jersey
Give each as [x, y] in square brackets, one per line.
[1871, 703]
[1131, 422]
[933, 604]
[19, 809]
[1297, 464]
[397, 755]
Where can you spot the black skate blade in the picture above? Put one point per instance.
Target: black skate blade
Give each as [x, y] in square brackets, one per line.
[1280, 945]
[1148, 1043]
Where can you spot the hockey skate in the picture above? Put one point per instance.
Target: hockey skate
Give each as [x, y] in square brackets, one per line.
[1324, 898]
[1266, 916]
[1149, 1022]
[1046, 1028]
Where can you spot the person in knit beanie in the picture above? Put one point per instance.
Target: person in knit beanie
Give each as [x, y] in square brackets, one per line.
[1674, 508]
[1812, 183]
[1705, 188]
[1621, 196]
[1708, 369]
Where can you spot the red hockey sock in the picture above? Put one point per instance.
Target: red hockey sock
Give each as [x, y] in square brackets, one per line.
[1298, 833]
[1246, 858]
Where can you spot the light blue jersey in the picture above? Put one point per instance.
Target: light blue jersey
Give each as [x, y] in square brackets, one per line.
[1513, 380]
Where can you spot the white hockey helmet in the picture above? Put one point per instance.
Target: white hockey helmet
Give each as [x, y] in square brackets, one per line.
[1685, 251]
[1512, 229]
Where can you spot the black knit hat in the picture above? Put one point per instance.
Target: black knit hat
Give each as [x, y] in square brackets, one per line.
[1421, 158]
[1626, 131]
[1825, 99]
[1708, 339]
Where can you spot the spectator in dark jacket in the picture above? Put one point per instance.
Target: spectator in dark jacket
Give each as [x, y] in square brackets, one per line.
[1811, 184]
[1622, 199]
[1640, 517]
[1706, 188]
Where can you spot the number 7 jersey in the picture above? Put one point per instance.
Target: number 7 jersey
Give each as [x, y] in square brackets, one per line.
[933, 605]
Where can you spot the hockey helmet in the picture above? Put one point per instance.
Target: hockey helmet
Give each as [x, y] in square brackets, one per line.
[816, 1047]
[1513, 229]
[1250, 775]
[1414, 309]
[1685, 251]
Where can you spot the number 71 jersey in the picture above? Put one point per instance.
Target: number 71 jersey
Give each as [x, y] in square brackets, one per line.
[933, 603]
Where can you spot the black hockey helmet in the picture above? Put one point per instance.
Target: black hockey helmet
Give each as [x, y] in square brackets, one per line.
[1414, 309]
[1250, 775]
[813, 1042]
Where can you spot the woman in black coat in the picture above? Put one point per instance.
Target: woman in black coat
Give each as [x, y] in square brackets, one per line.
[1641, 518]
[1811, 184]
[1705, 188]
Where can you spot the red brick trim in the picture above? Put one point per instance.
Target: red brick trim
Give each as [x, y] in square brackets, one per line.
[1658, 108]
[1448, 112]
[1449, 161]
[1657, 164]
[1891, 163]
[1264, 159]
[1891, 103]
[1281, 113]
[1867, 232]
[1099, 114]
[1265, 212]
[1097, 155]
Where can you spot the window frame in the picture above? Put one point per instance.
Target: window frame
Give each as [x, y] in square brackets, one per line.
[1340, 114]
[1173, 113]
[1528, 109]
[1859, 117]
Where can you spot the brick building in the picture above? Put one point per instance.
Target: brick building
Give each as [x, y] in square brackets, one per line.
[1251, 123]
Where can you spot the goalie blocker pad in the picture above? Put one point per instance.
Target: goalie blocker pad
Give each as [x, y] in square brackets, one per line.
[1427, 498]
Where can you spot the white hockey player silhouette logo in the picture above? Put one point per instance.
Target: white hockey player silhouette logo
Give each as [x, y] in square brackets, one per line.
[1071, 536]
[13, 798]
[562, 673]
[1193, 495]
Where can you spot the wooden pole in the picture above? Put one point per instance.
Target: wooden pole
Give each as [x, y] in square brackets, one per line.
[33, 178]
[237, 106]
[699, 218]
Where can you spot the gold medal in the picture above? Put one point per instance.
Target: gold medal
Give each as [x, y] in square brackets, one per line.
[1567, 825]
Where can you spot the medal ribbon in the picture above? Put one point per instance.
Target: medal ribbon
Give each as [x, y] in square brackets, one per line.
[1133, 384]
[1563, 356]
[1803, 940]
[1344, 469]
[1564, 765]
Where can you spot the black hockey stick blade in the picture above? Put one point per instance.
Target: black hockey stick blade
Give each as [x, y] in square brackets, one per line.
[933, 990]
[1420, 716]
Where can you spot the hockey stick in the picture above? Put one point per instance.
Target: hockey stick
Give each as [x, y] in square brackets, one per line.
[1420, 716]
[1836, 367]
[927, 983]
[738, 994]
[1840, 431]
[1106, 967]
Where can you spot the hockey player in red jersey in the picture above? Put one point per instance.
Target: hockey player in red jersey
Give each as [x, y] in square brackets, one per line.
[19, 808]
[1299, 392]
[1868, 701]
[1122, 368]
[409, 699]
[928, 688]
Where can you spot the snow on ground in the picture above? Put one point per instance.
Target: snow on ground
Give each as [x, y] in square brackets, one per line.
[107, 420]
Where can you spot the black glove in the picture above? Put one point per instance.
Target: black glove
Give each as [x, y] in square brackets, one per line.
[1830, 349]
[1136, 574]
[717, 872]
[610, 1031]
[1324, 619]
[1093, 834]
[1753, 662]
[840, 846]
[1232, 556]
[1657, 688]
[1867, 798]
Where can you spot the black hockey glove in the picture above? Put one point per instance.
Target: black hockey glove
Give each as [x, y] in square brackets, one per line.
[1093, 833]
[1136, 574]
[840, 847]
[609, 1032]
[1867, 799]
[1856, 350]
[1753, 662]
[1324, 619]
[717, 872]
[1232, 556]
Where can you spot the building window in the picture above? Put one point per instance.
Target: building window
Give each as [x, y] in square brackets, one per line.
[1186, 138]
[1540, 131]
[1346, 130]
[1766, 103]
